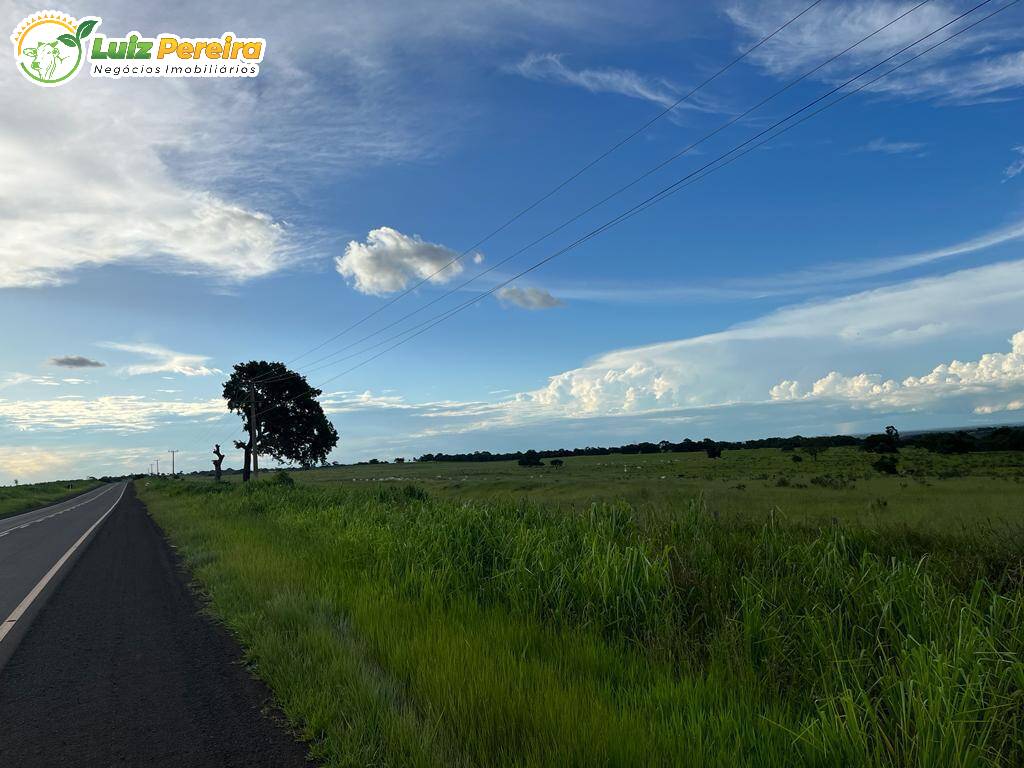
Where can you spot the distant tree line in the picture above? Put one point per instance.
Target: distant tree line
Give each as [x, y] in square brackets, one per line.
[960, 441]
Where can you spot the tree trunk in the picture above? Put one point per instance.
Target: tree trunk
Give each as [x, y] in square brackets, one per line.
[247, 448]
[217, 462]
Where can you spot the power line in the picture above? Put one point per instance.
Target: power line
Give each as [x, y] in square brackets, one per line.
[561, 185]
[704, 171]
[686, 150]
[720, 162]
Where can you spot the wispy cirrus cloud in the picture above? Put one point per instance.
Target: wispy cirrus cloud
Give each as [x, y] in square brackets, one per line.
[208, 193]
[887, 147]
[162, 360]
[984, 65]
[826, 275]
[1016, 168]
[552, 68]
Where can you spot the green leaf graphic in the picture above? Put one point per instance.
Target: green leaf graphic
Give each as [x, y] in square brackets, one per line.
[68, 40]
[85, 28]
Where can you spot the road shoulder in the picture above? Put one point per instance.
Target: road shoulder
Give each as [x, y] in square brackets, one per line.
[139, 674]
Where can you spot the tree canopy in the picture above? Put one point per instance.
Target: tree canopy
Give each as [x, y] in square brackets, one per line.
[290, 423]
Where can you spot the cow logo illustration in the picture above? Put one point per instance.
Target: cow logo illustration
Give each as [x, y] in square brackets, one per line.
[49, 46]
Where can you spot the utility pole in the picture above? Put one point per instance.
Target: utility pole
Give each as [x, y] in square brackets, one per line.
[252, 428]
[157, 467]
[172, 460]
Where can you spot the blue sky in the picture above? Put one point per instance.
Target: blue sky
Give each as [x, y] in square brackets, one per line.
[865, 268]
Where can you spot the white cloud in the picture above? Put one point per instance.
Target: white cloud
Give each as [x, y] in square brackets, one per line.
[550, 67]
[746, 379]
[953, 73]
[992, 373]
[28, 463]
[14, 379]
[527, 298]
[103, 193]
[825, 275]
[389, 261]
[114, 413]
[162, 360]
[887, 147]
[889, 326]
[199, 177]
[1015, 168]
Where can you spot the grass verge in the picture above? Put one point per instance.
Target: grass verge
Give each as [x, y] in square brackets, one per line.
[15, 499]
[397, 628]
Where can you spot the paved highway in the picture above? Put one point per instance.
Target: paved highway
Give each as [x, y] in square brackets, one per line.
[37, 548]
[119, 665]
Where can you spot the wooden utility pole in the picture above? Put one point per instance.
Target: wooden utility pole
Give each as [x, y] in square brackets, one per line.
[172, 460]
[252, 428]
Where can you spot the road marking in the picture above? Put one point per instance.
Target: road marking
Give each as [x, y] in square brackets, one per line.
[103, 492]
[23, 606]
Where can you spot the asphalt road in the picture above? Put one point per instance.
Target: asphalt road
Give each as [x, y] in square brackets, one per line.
[30, 546]
[120, 666]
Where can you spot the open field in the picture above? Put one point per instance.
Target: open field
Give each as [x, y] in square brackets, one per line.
[15, 499]
[660, 609]
[932, 489]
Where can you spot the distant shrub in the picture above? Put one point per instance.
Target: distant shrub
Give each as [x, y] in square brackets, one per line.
[282, 479]
[796, 458]
[530, 459]
[835, 483]
[415, 492]
[886, 465]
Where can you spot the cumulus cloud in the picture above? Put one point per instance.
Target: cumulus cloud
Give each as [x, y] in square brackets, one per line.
[527, 298]
[990, 374]
[389, 261]
[1015, 168]
[161, 360]
[550, 67]
[75, 361]
[743, 364]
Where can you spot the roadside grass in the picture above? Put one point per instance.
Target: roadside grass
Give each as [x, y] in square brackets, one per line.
[403, 626]
[15, 499]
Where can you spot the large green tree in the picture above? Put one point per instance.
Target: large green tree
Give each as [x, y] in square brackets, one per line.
[290, 423]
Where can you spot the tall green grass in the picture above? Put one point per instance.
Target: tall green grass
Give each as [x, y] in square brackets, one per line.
[401, 629]
[15, 499]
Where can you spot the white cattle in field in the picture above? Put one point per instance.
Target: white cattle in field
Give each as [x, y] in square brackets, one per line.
[45, 58]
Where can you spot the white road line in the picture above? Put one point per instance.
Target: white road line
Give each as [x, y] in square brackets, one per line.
[23, 606]
[58, 512]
